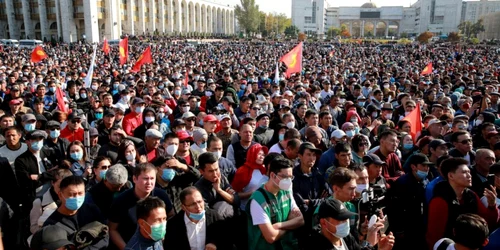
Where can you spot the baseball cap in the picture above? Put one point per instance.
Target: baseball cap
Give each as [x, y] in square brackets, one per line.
[109, 112]
[224, 116]
[262, 116]
[310, 146]
[419, 159]
[178, 122]
[187, 115]
[153, 133]
[36, 134]
[93, 132]
[436, 121]
[73, 115]
[184, 135]
[15, 102]
[338, 134]
[333, 208]
[438, 142]
[137, 100]
[28, 117]
[373, 158]
[210, 118]
[50, 237]
[491, 134]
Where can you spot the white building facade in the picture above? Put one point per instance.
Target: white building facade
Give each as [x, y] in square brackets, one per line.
[71, 20]
[437, 16]
[310, 16]
[474, 10]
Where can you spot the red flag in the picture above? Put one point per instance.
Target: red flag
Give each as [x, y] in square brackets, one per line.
[105, 47]
[143, 59]
[415, 122]
[38, 54]
[60, 100]
[186, 79]
[123, 50]
[293, 60]
[427, 70]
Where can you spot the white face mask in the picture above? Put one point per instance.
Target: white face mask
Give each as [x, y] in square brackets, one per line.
[185, 109]
[290, 124]
[172, 149]
[149, 119]
[130, 157]
[284, 184]
[388, 116]
[218, 154]
[362, 187]
[342, 230]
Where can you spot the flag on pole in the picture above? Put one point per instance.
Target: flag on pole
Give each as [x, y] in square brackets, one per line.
[293, 60]
[38, 54]
[90, 72]
[60, 100]
[277, 74]
[415, 122]
[105, 47]
[143, 59]
[123, 50]
[427, 70]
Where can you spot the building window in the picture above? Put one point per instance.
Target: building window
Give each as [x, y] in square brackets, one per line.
[314, 12]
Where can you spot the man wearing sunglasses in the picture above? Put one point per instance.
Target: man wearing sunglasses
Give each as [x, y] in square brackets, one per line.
[462, 141]
[74, 130]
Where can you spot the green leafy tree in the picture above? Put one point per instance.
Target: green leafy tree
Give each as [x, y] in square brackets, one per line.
[465, 28]
[453, 37]
[333, 32]
[248, 16]
[291, 30]
[478, 27]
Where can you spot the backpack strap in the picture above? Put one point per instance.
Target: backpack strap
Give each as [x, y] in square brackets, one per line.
[271, 207]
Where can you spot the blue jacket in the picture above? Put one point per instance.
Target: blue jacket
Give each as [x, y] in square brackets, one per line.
[326, 160]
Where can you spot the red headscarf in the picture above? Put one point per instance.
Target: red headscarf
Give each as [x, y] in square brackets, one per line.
[244, 173]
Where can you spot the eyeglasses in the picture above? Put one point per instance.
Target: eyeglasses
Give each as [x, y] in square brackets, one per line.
[286, 177]
[467, 141]
[76, 121]
[105, 166]
[184, 142]
[196, 203]
[191, 119]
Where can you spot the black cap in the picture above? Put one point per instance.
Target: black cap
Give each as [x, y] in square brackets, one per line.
[36, 134]
[419, 159]
[137, 100]
[109, 112]
[74, 115]
[228, 99]
[373, 158]
[262, 116]
[178, 122]
[50, 237]
[93, 132]
[438, 142]
[310, 146]
[52, 123]
[333, 208]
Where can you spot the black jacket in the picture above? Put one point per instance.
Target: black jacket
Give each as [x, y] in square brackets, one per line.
[455, 153]
[319, 242]
[26, 164]
[59, 148]
[176, 236]
[8, 184]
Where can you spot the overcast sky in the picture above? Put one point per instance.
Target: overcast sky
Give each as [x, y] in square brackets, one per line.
[285, 6]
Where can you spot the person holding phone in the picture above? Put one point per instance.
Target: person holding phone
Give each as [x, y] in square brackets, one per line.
[494, 181]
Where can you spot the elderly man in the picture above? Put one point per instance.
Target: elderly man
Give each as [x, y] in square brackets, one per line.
[263, 134]
[190, 120]
[151, 148]
[485, 158]
[226, 132]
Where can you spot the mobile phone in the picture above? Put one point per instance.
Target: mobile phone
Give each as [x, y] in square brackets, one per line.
[491, 179]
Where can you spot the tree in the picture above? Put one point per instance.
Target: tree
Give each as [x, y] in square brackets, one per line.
[465, 28]
[424, 37]
[291, 30]
[478, 27]
[471, 29]
[344, 32]
[302, 36]
[453, 37]
[248, 16]
[333, 32]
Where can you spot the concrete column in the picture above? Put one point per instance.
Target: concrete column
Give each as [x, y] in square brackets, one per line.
[199, 18]
[362, 29]
[350, 28]
[161, 17]
[170, 16]
[90, 19]
[130, 16]
[192, 18]
[29, 31]
[44, 23]
[142, 21]
[204, 19]
[214, 20]
[375, 29]
[152, 17]
[387, 29]
[68, 25]
[113, 26]
[209, 20]
[178, 17]
[58, 20]
[185, 18]
[15, 32]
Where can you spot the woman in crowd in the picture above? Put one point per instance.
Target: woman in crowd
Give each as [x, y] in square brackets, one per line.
[360, 145]
[128, 156]
[99, 168]
[80, 166]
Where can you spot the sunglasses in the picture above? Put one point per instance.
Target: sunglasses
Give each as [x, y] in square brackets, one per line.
[256, 108]
[76, 121]
[191, 119]
[54, 129]
[363, 144]
[184, 141]
[466, 141]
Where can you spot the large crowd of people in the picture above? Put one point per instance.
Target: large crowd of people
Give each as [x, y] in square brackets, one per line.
[212, 147]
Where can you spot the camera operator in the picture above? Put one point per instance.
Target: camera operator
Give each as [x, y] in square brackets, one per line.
[405, 208]
[374, 166]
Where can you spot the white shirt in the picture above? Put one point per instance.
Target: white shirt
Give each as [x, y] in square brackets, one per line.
[257, 180]
[11, 155]
[259, 216]
[196, 233]
[275, 149]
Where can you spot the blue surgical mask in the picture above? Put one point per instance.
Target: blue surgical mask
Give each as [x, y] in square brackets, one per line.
[74, 203]
[83, 95]
[197, 216]
[168, 174]
[243, 86]
[55, 133]
[76, 155]
[177, 92]
[421, 174]
[201, 123]
[98, 115]
[342, 230]
[362, 104]
[203, 145]
[29, 127]
[52, 89]
[102, 174]
[281, 137]
[408, 146]
[37, 145]
[356, 130]
[349, 133]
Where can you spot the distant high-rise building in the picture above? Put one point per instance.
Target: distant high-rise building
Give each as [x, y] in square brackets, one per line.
[310, 16]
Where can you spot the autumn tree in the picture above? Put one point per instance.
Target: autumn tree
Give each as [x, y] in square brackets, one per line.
[344, 32]
[302, 36]
[424, 37]
[453, 37]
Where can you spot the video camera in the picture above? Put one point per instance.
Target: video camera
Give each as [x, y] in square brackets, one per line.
[373, 199]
